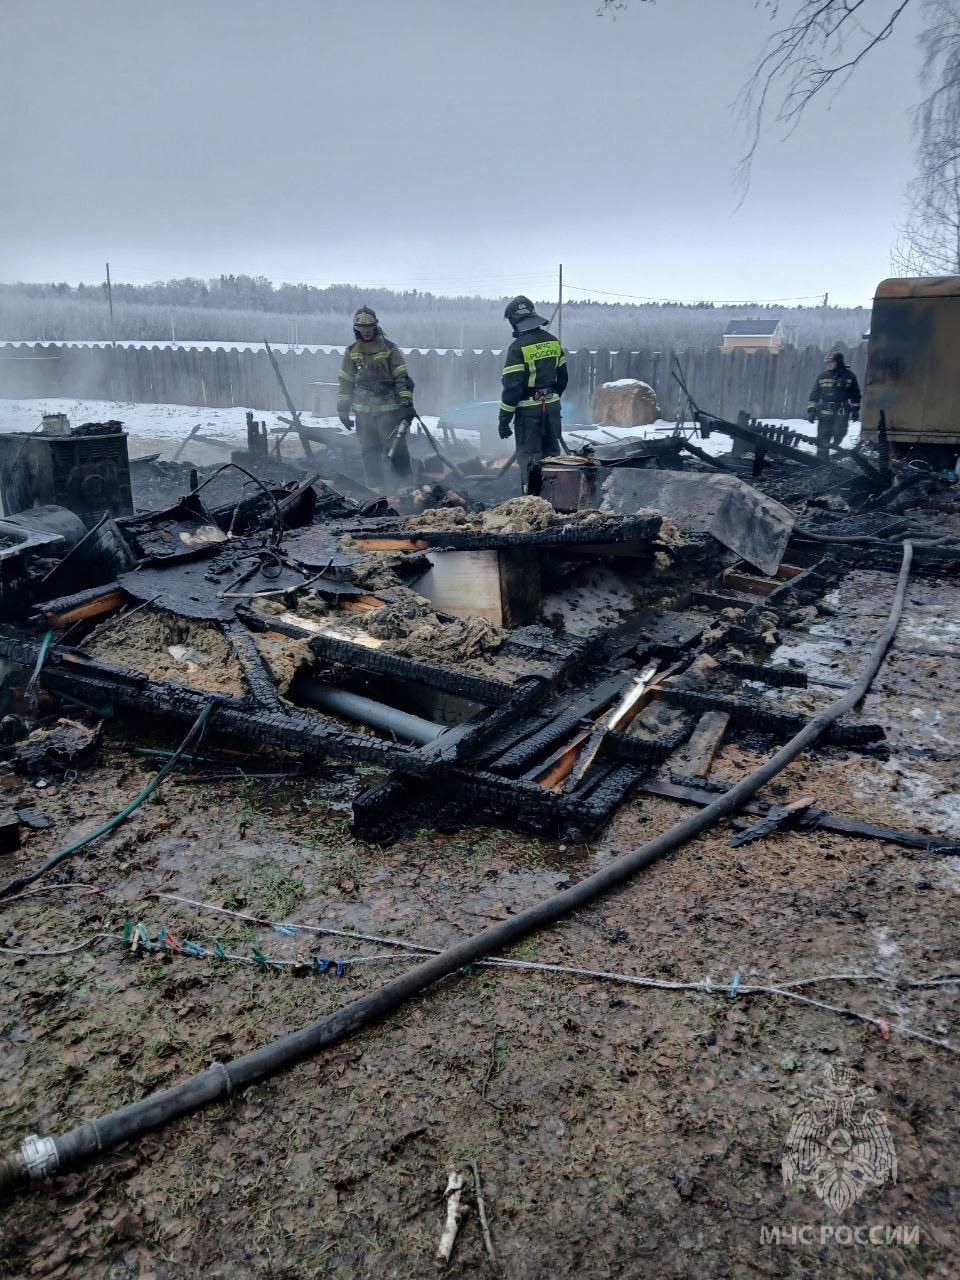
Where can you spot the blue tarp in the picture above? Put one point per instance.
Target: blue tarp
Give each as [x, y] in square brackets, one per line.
[475, 415]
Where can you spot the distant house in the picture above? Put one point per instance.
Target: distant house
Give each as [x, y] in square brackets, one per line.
[752, 334]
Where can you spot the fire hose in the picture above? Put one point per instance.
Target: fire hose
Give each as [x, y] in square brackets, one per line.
[43, 1157]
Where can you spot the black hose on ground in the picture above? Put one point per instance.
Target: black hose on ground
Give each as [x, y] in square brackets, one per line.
[866, 539]
[43, 1157]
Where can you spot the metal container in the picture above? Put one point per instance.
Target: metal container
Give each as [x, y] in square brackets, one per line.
[569, 486]
[89, 473]
[913, 369]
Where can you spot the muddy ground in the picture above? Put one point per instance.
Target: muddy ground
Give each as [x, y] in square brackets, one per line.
[619, 1131]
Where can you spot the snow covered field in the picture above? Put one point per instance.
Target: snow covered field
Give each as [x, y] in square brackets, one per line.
[159, 428]
[715, 445]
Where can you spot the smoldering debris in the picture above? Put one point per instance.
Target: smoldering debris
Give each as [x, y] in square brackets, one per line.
[510, 626]
[409, 626]
[519, 515]
[147, 641]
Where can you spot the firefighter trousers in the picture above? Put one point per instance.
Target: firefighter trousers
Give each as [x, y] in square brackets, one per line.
[537, 432]
[374, 431]
[831, 428]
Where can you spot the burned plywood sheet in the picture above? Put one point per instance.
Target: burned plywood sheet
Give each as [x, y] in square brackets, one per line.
[180, 532]
[216, 579]
[503, 587]
[739, 516]
[317, 547]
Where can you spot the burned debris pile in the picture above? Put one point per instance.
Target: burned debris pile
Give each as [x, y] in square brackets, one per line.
[642, 628]
[524, 661]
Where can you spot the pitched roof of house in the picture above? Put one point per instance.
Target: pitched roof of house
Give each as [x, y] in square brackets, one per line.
[751, 328]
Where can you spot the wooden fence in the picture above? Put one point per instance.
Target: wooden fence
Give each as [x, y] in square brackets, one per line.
[765, 384]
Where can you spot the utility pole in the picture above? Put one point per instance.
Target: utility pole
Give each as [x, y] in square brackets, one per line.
[560, 307]
[114, 380]
[113, 332]
[823, 322]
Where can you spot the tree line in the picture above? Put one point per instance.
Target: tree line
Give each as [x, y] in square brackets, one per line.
[243, 308]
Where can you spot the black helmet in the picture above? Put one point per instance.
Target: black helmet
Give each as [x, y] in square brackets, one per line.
[838, 356]
[521, 314]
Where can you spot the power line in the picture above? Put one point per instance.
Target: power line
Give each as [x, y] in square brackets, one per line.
[547, 277]
[715, 302]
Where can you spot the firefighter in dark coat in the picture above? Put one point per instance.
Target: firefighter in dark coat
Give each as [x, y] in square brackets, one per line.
[534, 379]
[834, 402]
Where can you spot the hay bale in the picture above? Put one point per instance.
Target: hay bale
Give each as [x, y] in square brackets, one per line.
[627, 402]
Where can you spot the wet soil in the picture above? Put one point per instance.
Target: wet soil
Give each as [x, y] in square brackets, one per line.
[620, 1131]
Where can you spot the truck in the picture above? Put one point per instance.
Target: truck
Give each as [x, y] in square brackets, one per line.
[913, 368]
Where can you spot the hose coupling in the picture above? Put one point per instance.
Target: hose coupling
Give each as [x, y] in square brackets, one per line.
[39, 1157]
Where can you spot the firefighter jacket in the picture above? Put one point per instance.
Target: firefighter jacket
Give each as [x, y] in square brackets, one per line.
[535, 373]
[373, 378]
[836, 392]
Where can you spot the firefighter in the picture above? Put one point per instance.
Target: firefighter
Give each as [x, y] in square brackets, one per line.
[534, 379]
[376, 388]
[834, 402]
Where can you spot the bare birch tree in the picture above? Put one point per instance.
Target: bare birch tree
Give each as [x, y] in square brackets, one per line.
[818, 44]
[930, 238]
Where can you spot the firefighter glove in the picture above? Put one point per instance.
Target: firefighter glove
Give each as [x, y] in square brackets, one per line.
[348, 425]
[811, 416]
[503, 427]
[409, 413]
[855, 413]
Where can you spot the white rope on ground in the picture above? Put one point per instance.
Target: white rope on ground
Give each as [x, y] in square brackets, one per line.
[308, 928]
[407, 945]
[87, 889]
[63, 951]
[413, 951]
[881, 1023]
[706, 986]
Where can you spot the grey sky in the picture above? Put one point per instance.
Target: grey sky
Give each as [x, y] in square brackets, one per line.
[414, 144]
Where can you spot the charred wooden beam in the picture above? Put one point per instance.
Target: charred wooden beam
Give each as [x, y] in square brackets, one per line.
[254, 668]
[748, 583]
[766, 720]
[567, 720]
[817, 818]
[300, 732]
[696, 756]
[448, 679]
[92, 603]
[775, 677]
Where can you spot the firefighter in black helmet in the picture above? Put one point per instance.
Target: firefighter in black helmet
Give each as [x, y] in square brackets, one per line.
[834, 402]
[534, 379]
[376, 387]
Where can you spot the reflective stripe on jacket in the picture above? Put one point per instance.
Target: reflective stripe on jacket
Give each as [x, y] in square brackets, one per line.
[535, 371]
[836, 392]
[373, 377]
